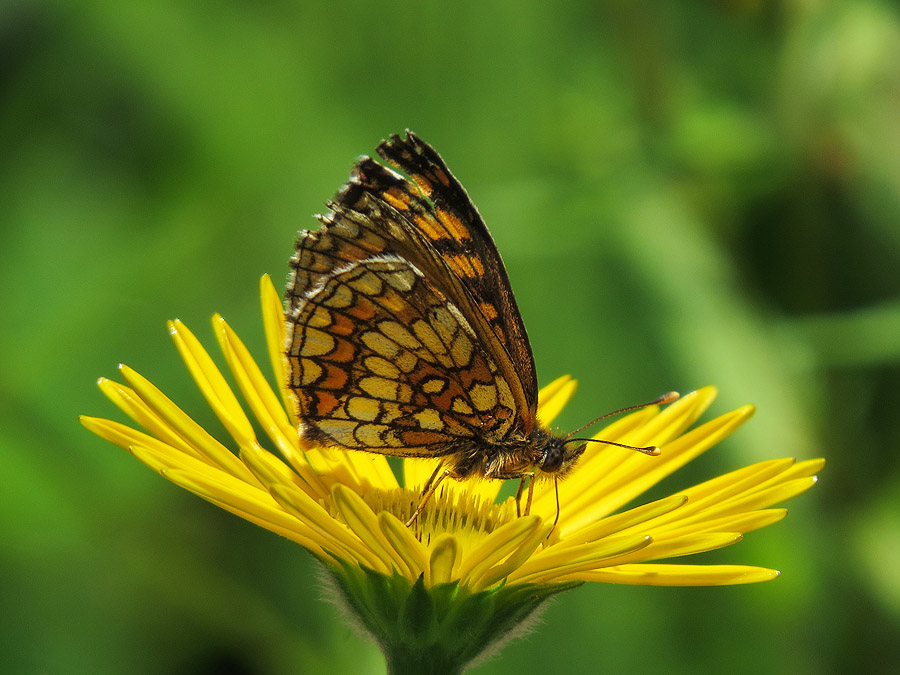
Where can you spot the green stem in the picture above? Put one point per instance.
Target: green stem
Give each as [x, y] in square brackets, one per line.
[406, 660]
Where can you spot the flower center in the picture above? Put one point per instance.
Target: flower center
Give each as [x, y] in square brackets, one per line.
[457, 512]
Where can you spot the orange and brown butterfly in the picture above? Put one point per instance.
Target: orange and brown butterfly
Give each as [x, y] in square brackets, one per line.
[404, 337]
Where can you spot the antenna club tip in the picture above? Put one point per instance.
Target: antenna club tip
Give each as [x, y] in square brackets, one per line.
[652, 450]
[668, 398]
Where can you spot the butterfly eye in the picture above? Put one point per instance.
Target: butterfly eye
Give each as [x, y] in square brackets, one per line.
[553, 456]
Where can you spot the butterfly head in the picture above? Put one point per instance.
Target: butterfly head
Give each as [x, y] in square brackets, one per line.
[559, 455]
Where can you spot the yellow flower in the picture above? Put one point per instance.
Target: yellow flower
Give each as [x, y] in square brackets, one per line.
[348, 508]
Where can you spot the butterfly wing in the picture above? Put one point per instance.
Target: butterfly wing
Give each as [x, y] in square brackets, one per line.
[379, 212]
[382, 361]
[457, 231]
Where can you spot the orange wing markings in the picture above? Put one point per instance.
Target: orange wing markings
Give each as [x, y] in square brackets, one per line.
[440, 385]
[466, 237]
[454, 258]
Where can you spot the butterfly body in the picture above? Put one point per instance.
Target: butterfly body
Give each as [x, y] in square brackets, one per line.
[516, 456]
[404, 337]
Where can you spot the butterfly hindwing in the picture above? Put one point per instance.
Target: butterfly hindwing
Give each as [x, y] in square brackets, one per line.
[382, 361]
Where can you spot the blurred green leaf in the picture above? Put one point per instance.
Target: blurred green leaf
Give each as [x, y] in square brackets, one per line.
[684, 193]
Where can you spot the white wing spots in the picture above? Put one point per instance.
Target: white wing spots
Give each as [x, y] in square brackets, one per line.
[377, 436]
[459, 318]
[348, 227]
[341, 431]
[444, 324]
[402, 278]
[484, 396]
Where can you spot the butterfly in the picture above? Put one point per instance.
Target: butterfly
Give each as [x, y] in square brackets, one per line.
[404, 337]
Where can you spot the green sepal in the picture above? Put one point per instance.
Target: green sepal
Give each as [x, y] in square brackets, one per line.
[468, 616]
[417, 621]
[436, 630]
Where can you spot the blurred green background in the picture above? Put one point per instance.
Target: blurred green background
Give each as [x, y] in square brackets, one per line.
[685, 193]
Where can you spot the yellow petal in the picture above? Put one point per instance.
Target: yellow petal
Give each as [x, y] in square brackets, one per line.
[124, 436]
[553, 398]
[410, 549]
[627, 521]
[416, 472]
[554, 562]
[256, 390]
[726, 486]
[689, 544]
[276, 338]
[496, 546]
[772, 495]
[364, 524]
[189, 433]
[679, 575]
[445, 557]
[611, 491]
[231, 494]
[270, 470]
[212, 384]
[335, 536]
[127, 400]
[740, 522]
[492, 575]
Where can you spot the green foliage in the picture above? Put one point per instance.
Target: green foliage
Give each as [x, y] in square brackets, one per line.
[685, 193]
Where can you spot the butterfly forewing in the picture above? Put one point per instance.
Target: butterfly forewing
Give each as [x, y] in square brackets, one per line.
[404, 337]
[459, 234]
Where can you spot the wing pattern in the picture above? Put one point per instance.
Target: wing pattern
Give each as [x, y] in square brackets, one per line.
[403, 334]
[385, 363]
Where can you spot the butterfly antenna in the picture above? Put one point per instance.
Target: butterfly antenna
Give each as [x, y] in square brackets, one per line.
[647, 450]
[651, 450]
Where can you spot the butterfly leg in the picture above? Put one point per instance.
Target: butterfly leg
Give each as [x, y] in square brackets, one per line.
[430, 488]
[530, 478]
[556, 490]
